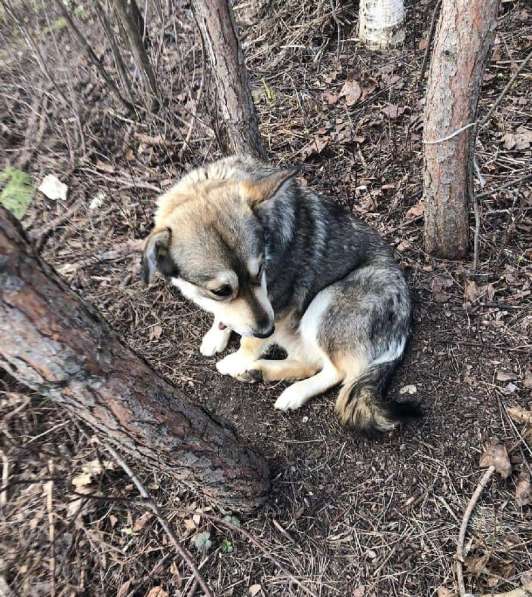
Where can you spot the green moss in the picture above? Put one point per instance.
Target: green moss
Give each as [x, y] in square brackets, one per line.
[17, 191]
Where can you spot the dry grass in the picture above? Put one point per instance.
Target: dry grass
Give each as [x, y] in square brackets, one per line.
[345, 513]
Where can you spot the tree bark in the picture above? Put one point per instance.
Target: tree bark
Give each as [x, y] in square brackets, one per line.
[217, 26]
[133, 24]
[463, 38]
[381, 23]
[53, 342]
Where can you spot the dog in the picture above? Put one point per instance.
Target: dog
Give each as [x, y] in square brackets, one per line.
[280, 265]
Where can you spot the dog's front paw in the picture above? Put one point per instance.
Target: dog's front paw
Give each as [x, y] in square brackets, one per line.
[215, 341]
[290, 399]
[238, 367]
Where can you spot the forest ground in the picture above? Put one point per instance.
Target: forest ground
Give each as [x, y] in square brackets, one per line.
[348, 515]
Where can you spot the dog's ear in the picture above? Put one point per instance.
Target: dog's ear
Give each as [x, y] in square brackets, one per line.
[157, 256]
[258, 191]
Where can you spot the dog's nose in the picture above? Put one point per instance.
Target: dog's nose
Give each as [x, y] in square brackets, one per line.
[265, 334]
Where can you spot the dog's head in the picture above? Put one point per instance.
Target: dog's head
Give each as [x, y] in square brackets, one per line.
[209, 243]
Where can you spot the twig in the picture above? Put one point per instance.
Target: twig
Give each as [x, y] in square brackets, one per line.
[476, 236]
[92, 56]
[463, 528]
[48, 488]
[34, 132]
[429, 41]
[182, 551]
[5, 591]
[121, 250]
[44, 234]
[27, 34]
[513, 593]
[5, 478]
[510, 183]
[486, 118]
[457, 132]
[126, 183]
[102, 17]
[252, 539]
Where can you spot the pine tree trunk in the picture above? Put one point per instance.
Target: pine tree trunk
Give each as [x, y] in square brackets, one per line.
[463, 38]
[133, 24]
[54, 343]
[381, 23]
[216, 22]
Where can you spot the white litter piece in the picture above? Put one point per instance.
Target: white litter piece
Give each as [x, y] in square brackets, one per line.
[98, 200]
[53, 188]
[411, 389]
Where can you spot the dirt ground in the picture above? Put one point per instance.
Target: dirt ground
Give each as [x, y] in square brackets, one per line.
[347, 516]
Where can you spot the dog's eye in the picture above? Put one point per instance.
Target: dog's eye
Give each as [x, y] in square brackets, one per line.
[224, 291]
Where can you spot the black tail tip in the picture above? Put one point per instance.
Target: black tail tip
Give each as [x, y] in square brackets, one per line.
[405, 411]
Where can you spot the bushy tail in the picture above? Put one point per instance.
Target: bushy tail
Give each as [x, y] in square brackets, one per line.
[360, 403]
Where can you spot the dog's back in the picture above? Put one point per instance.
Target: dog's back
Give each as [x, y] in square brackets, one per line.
[341, 303]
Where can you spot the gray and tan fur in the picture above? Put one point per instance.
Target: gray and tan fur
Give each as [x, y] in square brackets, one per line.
[280, 265]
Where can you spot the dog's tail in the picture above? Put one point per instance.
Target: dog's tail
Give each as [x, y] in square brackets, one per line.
[360, 403]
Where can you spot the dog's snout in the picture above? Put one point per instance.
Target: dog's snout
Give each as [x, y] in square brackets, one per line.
[264, 331]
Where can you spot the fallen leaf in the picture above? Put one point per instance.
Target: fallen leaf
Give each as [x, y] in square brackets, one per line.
[504, 375]
[444, 592]
[157, 592]
[416, 210]
[104, 167]
[90, 470]
[330, 98]
[471, 291]
[316, 146]
[82, 480]
[124, 588]
[202, 541]
[519, 140]
[351, 91]
[189, 524]
[528, 380]
[142, 521]
[509, 388]
[359, 592]
[53, 188]
[438, 286]
[423, 44]
[476, 565]
[496, 455]
[254, 589]
[393, 111]
[520, 415]
[523, 490]
[526, 580]
[197, 519]
[155, 332]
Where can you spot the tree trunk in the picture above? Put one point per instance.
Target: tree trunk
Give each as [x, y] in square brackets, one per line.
[53, 342]
[133, 23]
[381, 23]
[464, 35]
[216, 22]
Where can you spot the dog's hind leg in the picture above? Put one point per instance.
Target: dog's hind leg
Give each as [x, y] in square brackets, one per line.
[297, 394]
[285, 369]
